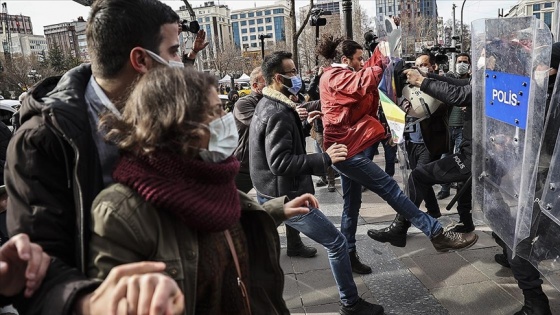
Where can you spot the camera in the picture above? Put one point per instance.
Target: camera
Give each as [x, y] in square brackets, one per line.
[191, 26]
[371, 41]
[316, 19]
[440, 53]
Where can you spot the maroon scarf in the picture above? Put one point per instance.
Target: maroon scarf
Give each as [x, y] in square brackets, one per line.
[200, 194]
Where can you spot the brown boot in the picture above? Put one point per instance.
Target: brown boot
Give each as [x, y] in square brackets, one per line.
[446, 241]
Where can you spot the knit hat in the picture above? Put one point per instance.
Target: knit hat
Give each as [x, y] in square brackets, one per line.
[555, 58]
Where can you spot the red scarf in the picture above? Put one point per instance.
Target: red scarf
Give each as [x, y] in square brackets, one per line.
[202, 195]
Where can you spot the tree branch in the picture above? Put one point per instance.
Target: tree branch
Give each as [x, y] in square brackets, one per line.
[306, 20]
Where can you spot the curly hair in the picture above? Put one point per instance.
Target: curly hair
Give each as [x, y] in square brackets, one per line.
[166, 111]
[333, 49]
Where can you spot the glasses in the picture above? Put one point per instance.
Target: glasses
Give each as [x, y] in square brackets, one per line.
[293, 71]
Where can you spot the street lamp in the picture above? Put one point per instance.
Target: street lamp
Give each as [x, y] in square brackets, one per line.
[262, 37]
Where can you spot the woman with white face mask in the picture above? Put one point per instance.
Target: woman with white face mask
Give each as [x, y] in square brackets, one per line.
[175, 201]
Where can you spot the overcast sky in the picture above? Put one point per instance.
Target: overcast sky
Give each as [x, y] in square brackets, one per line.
[46, 12]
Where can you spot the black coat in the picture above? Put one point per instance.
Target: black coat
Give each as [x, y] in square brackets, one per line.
[453, 92]
[52, 176]
[279, 163]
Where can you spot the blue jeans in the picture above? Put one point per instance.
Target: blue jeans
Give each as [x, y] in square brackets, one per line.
[360, 170]
[319, 228]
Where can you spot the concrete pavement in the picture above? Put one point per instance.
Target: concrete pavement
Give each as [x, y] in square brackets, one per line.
[411, 280]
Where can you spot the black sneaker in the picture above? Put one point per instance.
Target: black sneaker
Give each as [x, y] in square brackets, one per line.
[357, 265]
[535, 306]
[302, 251]
[502, 260]
[362, 307]
[446, 241]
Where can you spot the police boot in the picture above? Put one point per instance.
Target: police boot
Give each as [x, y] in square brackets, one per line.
[465, 225]
[535, 304]
[357, 265]
[296, 246]
[395, 233]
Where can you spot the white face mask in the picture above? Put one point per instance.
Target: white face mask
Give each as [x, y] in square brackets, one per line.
[170, 63]
[481, 63]
[462, 68]
[424, 69]
[223, 139]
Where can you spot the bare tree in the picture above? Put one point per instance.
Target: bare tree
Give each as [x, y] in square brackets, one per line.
[227, 59]
[417, 28]
[361, 22]
[296, 34]
[21, 72]
[466, 33]
[307, 41]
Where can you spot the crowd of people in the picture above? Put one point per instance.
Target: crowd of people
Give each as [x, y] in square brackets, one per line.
[126, 182]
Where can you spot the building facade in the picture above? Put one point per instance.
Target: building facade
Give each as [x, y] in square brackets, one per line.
[248, 24]
[27, 45]
[401, 8]
[214, 19]
[65, 36]
[541, 9]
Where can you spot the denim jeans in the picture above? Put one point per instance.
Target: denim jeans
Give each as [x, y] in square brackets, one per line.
[360, 170]
[319, 228]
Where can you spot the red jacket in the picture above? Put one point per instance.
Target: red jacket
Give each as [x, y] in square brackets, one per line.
[349, 101]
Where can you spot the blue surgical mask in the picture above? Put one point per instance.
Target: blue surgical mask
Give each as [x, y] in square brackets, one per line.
[223, 139]
[170, 63]
[296, 84]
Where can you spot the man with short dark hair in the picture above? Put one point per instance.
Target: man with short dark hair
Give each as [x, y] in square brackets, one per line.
[280, 166]
[58, 161]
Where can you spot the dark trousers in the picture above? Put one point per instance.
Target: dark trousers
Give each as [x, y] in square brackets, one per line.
[390, 156]
[418, 155]
[453, 168]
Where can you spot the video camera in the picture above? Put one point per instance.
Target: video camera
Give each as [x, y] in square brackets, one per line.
[370, 41]
[316, 19]
[191, 26]
[440, 53]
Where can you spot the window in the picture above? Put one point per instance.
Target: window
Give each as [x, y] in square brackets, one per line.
[259, 13]
[260, 29]
[428, 4]
[252, 29]
[268, 20]
[253, 44]
[259, 21]
[199, 20]
[269, 27]
[269, 34]
[243, 23]
[266, 12]
[380, 10]
[253, 37]
[251, 22]
[390, 9]
[250, 14]
[245, 38]
[207, 19]
[277, 11]
[537, 7]
[547, 19]
[548, 5]
[234, 17]
[235, 26]
[538, 15]
[242, 16]
[399, 7]
[244, 31]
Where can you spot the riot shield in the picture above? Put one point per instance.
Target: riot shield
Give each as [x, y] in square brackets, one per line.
[508, 117]
[538, 236]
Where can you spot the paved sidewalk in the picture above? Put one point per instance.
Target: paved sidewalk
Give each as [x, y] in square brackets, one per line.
[411, 280]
